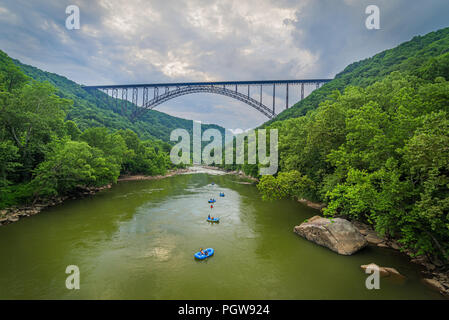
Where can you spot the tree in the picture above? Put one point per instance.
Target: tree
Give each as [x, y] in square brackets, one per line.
[286, 185]
[11, 77]
[427, 157]
[112, 144]
[33, 117]
[72, 164]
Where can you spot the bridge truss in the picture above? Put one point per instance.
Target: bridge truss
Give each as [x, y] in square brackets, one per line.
[148, 96]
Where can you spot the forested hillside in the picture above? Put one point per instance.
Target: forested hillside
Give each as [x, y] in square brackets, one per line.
[100, 110]
[411, 57]
[378, 150]
[44, 154]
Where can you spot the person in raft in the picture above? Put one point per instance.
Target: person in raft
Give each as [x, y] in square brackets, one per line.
[208, 217]
[211, 206]
[202, 252]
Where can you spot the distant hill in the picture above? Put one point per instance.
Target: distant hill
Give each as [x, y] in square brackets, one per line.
[91, 110]
[414, 56]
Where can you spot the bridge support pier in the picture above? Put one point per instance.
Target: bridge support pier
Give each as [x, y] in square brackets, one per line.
[124, 99]
[135, 95]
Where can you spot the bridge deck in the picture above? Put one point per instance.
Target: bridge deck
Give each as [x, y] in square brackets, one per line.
[217, 83]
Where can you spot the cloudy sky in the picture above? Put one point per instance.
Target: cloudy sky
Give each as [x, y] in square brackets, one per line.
[137, 41]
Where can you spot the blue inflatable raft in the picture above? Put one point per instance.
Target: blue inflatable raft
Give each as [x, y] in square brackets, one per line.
[212, 201]
[213, 220]
[222, 194]
[200, 256]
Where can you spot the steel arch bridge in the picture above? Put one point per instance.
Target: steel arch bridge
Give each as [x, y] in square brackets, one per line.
[162, 92]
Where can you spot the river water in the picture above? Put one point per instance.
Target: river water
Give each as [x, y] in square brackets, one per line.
[137, 240]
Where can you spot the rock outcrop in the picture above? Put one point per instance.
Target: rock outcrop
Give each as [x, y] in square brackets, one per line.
[434, 285]
[336, 234]
[384, 271]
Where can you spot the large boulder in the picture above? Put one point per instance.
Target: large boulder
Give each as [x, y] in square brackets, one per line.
[337, 234]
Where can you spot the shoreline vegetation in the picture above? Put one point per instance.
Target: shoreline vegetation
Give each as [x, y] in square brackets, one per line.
[137, 177]
[434, 272]
[15, 213]
[433, 276]
[373, 145]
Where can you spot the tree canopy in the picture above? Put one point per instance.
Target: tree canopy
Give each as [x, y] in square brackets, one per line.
[376, 147]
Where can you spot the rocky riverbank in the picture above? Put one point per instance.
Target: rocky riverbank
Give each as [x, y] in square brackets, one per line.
[435, 273]
[14, 214]
[143, 177]
[239, 173]
[314, 205]
[347, 237]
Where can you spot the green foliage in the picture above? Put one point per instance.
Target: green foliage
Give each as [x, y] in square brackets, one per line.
[435, 67]
[72, 164]
[112, 144]
[8, 163]
[43, 154]
[31, 117]
[425, 56]
[379, 154]
[286, 184]
[143, 157]
[72, 130]
[11, 77]
[426, 157]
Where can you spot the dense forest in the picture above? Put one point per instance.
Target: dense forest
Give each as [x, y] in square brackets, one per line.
[374, 145]
[408, 57]
[49, 148]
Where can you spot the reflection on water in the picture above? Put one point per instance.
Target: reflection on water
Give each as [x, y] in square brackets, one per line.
[137, 240]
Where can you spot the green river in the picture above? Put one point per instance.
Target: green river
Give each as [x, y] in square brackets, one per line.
[137, 240]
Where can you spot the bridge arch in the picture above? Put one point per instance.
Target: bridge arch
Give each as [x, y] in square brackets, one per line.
[181, 91]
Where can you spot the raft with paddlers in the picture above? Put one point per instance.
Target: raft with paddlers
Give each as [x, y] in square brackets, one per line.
[222, 194]
[203, 254]
[212, 219]
[212, 201]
